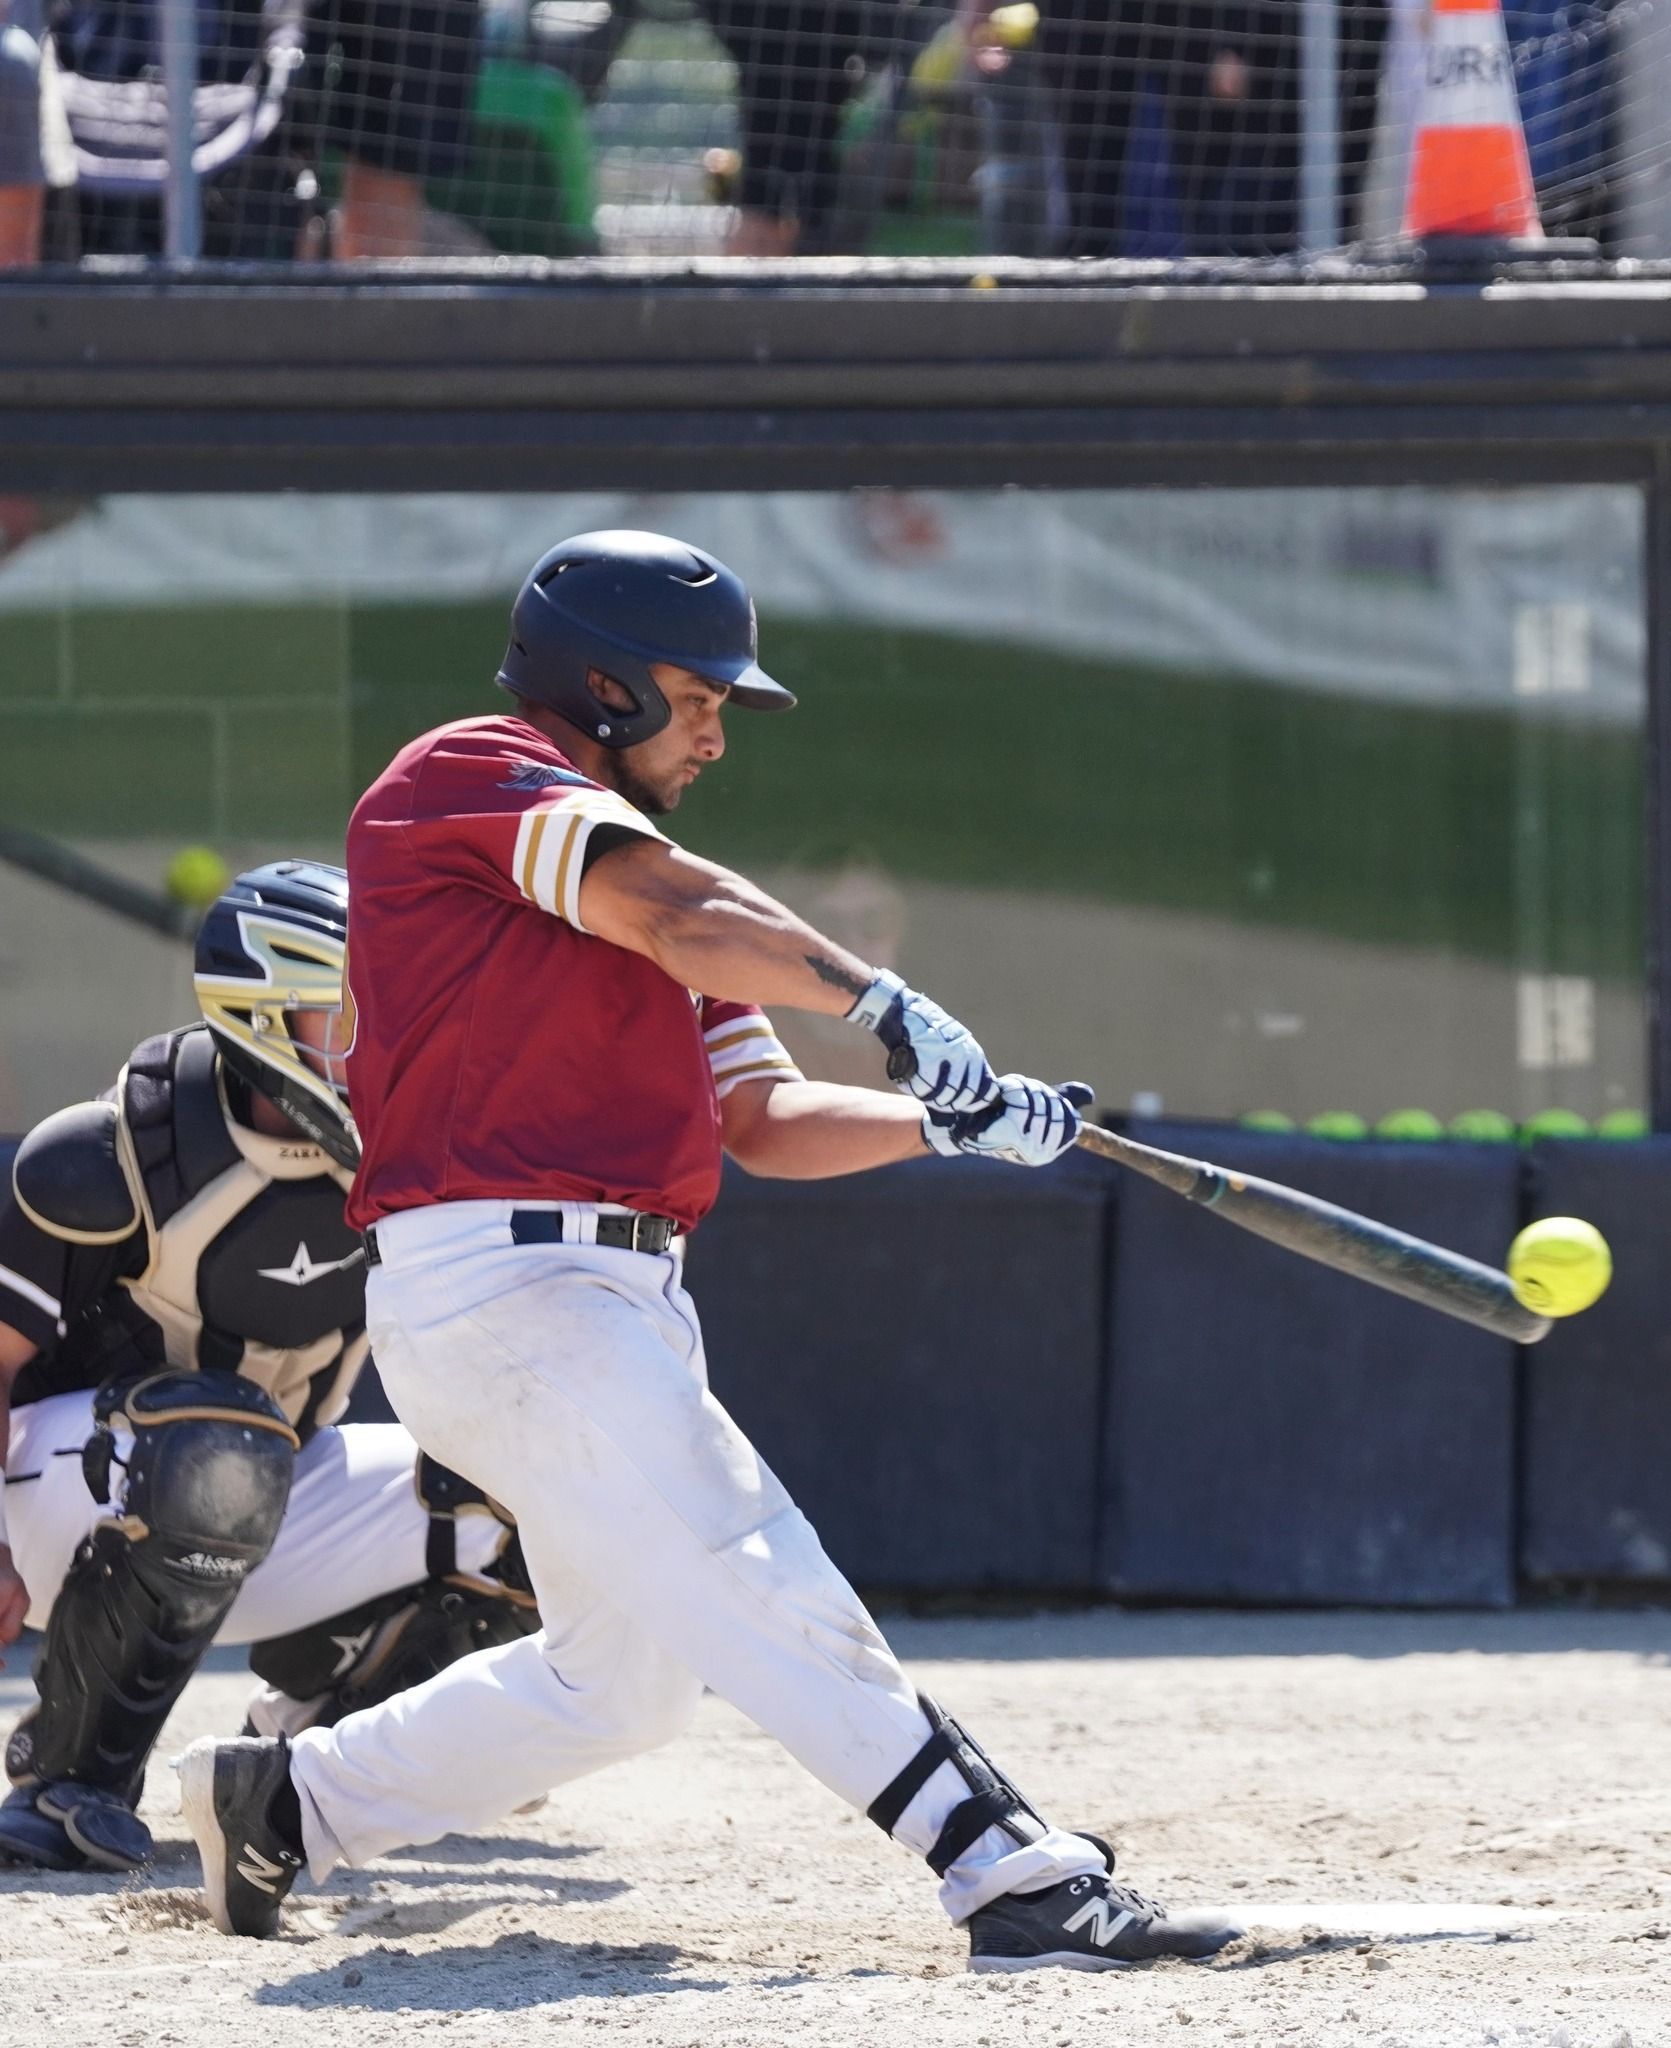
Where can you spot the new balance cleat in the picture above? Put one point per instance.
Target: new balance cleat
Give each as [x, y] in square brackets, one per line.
[234, 1797]
[1090, 1923]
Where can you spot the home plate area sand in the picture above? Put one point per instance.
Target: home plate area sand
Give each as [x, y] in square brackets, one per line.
[1440, 1830]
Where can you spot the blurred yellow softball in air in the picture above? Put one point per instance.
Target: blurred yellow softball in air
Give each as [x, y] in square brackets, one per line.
[1559, 1266]
[196, 876]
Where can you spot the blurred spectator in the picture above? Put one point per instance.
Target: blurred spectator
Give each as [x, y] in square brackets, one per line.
[394, 100]
[1227, 74]
[285, 88]
[1099, 57]
[116, 101]
[22, 172]
[798, 64]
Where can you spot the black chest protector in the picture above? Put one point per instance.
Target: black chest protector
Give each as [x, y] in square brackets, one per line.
[238, 1258]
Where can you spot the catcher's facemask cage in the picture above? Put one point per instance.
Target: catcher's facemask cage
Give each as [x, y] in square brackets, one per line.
[269, 980]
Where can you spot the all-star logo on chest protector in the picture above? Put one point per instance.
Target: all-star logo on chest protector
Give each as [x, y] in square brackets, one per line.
[286, 1268]
[304, 1268]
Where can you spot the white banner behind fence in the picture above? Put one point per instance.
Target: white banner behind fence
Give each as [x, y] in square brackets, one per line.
[1460, 597]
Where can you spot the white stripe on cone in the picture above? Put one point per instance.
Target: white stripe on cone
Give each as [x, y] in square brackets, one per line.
[1468, 73]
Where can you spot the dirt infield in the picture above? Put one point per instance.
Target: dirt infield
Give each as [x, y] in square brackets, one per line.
[1451, 1830]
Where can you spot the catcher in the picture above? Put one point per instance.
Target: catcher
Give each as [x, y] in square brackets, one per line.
[182, 1318]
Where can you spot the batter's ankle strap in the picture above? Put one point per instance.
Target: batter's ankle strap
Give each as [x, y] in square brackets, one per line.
[993, 1800]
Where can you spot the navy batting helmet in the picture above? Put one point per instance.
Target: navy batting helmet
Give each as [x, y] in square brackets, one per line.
[617, 602]
[269, 980]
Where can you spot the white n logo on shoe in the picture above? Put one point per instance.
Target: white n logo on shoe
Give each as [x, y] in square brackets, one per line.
[259, 1870]
[1101, 1917]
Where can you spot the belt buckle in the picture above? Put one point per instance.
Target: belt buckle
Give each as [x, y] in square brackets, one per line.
[632, 1240]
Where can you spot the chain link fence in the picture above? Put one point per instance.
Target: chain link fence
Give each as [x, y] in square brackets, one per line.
[306, 130]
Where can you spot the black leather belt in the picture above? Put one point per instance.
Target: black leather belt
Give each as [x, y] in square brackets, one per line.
[632, 1233]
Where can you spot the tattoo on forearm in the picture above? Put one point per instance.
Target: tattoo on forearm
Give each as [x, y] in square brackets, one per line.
[837, 976]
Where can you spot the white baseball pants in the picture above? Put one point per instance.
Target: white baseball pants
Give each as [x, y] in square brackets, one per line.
[569, 1382]
[353, 1529]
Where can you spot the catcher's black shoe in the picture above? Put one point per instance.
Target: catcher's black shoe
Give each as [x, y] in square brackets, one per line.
[239, 1803]
[66, 1826]
[1089, 1923]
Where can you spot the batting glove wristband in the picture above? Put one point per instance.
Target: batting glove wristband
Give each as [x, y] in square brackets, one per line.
[1030, 1124]
[930, 1055]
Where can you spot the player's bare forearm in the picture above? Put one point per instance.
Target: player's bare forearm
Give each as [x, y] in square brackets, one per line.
[815, 1130]
[713, 930]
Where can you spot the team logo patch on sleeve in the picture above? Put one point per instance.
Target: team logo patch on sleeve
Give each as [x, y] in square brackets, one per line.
[532, 775]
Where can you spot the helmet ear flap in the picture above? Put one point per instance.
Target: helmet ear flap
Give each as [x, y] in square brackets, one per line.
[611, 694]
[552, 659]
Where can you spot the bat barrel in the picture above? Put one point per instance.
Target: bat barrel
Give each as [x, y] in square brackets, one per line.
[1393, 1259]
[1350, 1243]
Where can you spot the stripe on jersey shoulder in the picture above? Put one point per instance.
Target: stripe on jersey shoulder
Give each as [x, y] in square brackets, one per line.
[725, 1040]
[548, 859]
[747, 1049]
[773, 1067]
[735, 1031]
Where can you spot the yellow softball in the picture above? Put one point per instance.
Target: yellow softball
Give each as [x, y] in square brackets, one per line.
[1559, 1266]
[196, 876]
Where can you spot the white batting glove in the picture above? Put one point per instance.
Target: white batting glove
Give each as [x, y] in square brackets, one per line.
[1030, 1124]
[930, 1055]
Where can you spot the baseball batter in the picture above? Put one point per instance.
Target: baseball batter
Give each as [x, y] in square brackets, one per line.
[182, 1315]
[543, 1100]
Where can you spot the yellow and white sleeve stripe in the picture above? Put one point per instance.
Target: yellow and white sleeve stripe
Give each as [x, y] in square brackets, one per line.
[549, 858]
[747, 1049]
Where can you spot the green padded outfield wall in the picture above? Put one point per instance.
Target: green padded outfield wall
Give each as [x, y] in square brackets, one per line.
[1227, 801]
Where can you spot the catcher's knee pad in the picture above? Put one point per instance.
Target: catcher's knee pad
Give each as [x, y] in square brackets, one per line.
[447, 1496]
[208, 1475]
[993, 1801]
[367, 1655]
[358, 1659]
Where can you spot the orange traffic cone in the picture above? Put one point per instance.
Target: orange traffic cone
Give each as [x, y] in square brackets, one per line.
[1469, 172]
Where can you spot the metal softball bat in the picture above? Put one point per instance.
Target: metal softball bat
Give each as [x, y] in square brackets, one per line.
[1353, 1244]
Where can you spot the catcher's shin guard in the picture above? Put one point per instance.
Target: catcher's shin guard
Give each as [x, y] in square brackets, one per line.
[993, 1801]
[208, 1475]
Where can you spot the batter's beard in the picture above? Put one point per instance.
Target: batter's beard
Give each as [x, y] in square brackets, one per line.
[643, 796]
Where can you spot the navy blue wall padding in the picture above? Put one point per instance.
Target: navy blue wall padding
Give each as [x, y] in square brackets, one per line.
[1598, 1388]
[918, 1353]
[1278, 1432]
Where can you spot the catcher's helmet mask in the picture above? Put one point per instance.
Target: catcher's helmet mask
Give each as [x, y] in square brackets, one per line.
[270, 954]
[616, 603]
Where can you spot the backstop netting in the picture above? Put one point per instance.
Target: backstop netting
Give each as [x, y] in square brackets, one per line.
[1160, 129]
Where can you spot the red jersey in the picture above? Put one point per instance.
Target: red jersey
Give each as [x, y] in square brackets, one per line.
[500, 1049]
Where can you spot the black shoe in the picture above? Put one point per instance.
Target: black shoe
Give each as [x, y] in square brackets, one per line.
[1089, 1923]
[228, 1791]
